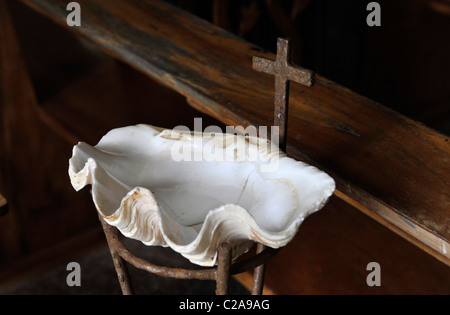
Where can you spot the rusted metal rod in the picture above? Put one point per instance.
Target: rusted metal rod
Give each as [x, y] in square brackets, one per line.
[178, 273]
[201, 274]
[119, 264]
[258, 275]
[223, 269]
[253, 262]
[119, 248]
[221, 273]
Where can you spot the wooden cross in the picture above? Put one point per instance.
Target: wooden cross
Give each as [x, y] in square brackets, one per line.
[284, 72]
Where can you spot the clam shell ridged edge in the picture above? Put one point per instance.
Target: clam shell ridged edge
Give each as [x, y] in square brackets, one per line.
[140, 217]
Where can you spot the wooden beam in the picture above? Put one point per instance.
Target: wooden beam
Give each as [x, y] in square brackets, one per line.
[390, 167]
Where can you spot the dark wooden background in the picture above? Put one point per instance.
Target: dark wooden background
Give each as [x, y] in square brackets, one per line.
[404, 65]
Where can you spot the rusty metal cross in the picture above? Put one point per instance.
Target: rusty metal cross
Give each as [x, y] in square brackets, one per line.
[284, 72]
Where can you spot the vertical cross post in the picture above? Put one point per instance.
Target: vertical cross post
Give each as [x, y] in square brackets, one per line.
[284, 72]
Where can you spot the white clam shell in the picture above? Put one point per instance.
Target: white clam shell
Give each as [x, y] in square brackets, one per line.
[234, 195]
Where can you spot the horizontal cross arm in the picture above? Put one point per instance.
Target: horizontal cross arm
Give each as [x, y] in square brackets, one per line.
[300, 75]
[263, 65]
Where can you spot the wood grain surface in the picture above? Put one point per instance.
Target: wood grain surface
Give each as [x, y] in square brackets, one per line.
[331, 252]
[390, 167]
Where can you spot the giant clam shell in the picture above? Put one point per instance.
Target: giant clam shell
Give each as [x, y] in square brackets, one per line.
[257, 194]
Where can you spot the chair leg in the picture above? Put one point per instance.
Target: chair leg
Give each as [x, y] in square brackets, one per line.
[258, 275]
[223, 269]
[119, 264]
